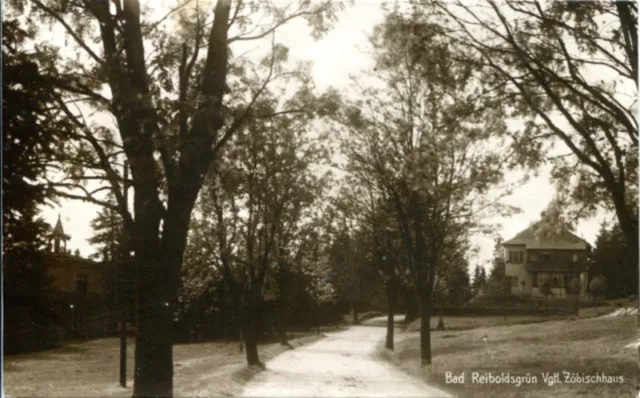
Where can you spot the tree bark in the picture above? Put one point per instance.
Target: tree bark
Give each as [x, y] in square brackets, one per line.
[153, 375]
[626, 219]
[251, 344]
[250, 335]
[355, 312]
[153, 355]
[391, 299]
[282, 333]
[425, 332]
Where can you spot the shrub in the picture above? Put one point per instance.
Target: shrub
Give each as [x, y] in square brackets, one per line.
[598, 285]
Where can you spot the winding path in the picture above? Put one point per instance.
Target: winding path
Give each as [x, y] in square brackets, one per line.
[341, 365]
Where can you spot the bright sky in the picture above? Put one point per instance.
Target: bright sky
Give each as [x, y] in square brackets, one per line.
[337, 56]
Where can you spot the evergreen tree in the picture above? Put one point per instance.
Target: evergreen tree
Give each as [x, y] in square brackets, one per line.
[611, 258]
[497, 272]
[107, 237]
[483, 278]
[477, 278]
[29, 136]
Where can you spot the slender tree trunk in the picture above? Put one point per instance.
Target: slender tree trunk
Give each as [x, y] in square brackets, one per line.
[123, 353]
[425, 332]
[355, 312]
[440, 319]
[317, 317]
[391, 299]
[282, 333]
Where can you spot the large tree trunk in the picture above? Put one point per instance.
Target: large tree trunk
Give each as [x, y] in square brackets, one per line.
[250, 334]
[391, 300]
[251, 345]
[153, 355]
[153, 375]
[628, 222]
[159, 264]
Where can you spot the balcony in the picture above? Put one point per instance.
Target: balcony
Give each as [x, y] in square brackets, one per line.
[556, 267]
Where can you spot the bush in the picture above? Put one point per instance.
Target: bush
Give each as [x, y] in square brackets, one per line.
[598, 285]
[27, 331]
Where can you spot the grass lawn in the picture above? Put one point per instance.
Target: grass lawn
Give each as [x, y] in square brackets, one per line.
[465, 322]
[584, 346]
[91, 369]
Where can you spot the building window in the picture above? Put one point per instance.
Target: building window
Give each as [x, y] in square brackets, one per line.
[556, 279]
[82, 283]
[533, 257]
[546, 256]
[574, 258]
[515, 257]
[569, 277]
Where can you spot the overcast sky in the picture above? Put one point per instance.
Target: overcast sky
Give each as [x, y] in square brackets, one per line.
[335, 57]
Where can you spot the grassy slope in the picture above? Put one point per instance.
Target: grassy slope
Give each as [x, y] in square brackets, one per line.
[471, 322]
[588, 346]
[91, 369]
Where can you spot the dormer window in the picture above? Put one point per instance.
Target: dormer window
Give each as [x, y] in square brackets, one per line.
[574, 258]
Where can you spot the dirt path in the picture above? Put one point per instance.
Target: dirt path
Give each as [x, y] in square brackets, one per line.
[341, 365]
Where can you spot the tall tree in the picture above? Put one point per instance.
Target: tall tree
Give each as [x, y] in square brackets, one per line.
[31, 135]
[497, 272]
[258, 202]
[350, 258]
[569, 71]
[476, 282]
[107, 234]
[166, 93]
[421, 136]
[611, 258]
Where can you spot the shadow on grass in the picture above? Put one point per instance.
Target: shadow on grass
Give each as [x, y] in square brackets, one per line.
[48, 354]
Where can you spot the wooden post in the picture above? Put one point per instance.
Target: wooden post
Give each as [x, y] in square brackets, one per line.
[123, 353]
[124, 303]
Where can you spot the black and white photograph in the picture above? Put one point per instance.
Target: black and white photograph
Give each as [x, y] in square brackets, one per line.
[320, 198]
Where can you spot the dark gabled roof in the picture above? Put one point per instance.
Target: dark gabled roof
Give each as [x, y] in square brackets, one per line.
[564, 240]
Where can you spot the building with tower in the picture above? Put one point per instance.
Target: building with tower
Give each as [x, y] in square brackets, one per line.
[82, 286]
